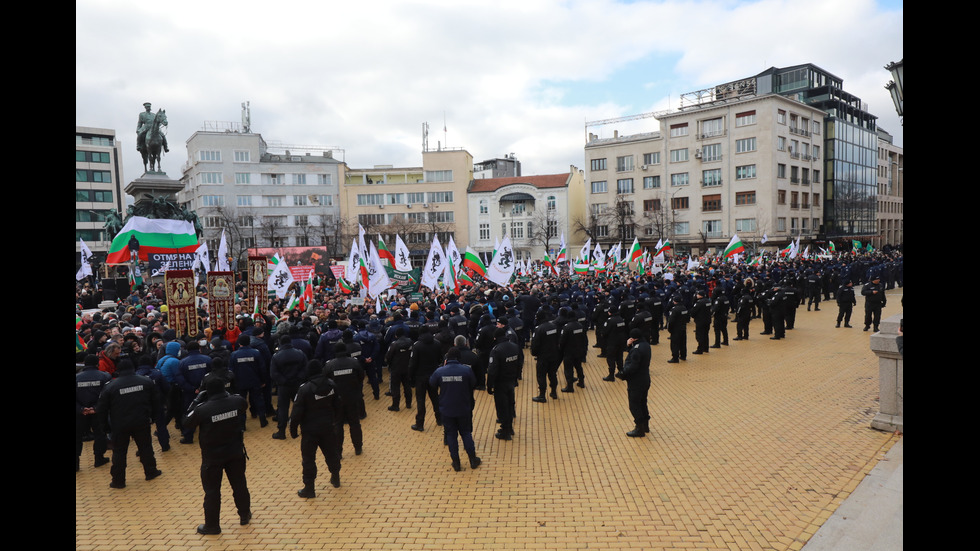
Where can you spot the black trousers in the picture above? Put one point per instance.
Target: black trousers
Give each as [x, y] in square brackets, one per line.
[351, 417]
[547, 372]
[326, 442]
[399, 382]
[505, 403]
[573, 369]
[637, 395]
[211, 480]
[84, 423]
[678, 345]
[120, 448]
[721, 330]
[421, 389]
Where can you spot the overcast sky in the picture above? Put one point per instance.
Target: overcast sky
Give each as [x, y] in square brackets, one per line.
[509, 76]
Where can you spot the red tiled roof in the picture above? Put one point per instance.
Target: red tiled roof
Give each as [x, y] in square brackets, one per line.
[542, 181]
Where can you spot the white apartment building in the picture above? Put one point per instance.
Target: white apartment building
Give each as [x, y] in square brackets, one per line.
[260, 195]
[534, 211]
[98, 186]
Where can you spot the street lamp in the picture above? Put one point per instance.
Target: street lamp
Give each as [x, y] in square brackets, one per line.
[896, 86]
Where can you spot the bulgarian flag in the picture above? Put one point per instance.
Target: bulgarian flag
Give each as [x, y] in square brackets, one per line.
[293, 301]
[453, 278]
[757, 261]
[344, 286]
[549, 263]
[581, 268]
[384, 253]
[635, 252]
[307, 297]
[833, 248]
[734, 246]
[662, 248]
[471, 260]
[787, 250]
[465, 279]
[365, 277]
[562, 253]
[155, 235]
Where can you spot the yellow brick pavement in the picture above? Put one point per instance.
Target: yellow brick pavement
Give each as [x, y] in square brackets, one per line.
[752, 446]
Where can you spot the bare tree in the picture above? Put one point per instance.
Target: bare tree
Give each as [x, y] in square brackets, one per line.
[544, 226]
[272, 229]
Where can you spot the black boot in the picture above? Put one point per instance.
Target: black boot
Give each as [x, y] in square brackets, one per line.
[539, 398]
[307, 492]
[637, 432]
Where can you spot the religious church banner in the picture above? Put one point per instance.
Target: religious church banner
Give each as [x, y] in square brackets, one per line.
[221, 298]
[258, 283]
[181, 301]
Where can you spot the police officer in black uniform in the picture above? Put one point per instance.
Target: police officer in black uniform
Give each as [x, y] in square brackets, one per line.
[636, 372]
[874, 302]
[845, 303]
[221, 417]
[701, 313]
[720, 306]
[574, 345]
[677, 329]
[318, 410]
[616, 335]
[544, 347]
[504, 368]
[89, 383]
[132, 402]
[348, 376]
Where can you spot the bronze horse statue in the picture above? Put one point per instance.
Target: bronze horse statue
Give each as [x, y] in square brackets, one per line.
[154, 139]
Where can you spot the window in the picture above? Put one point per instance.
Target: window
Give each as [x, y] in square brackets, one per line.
[484, 232]
[243, 178]
[651, 182]
[745, 224]
[712, 228]
[484, 207]
[745, 198]
[780, 224]
[598, 209]
[243, 200]
[780, 143]
[711, 152]
[93, 196]
[438, 175]
[794, 174]
[101, 176]
[711, 178]
[602, 231]
[627, 231]
[816, 152]
[744, 172]
[395, 198]
[370, 199]
[274, 179]
[682, 228]
[781, 171]
[712, 127]
[678, 155]
[552, 203]
[412, 198]
[794, 200]
[206, 155]
[598, 164]
[744, 145]
[781, 116]
[530, 229]
[517, 230]
[651, 205]
[552, 228]
[518, 207]
[803, 222]
[781, 197]
[680, 179]
[651, 158]
[242, 156]
[299, 179]
[816, 128]
[210, 177]
[301, 220]
[273, 200]
[324, 179]
[442, 216]
[246, 221]
[299, 201]
[624, 186]
[324, 200]
[91, 157]
[711, 203]
[624, 164]
[302, 241]
[87, 215]
[794, 225]
[816, 176]
[805, 175]
[806, 200]
[679, 203]
[599, 187]
[213, 200]
[370, 219]
[745, 118]
[440, 197]
[816, 202]
[416, 217]
[678, 130]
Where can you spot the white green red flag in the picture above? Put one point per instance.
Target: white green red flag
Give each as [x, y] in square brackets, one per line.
[155, 235]
[635, 252]
[562, 253]
[344, 286]
[472, 261]
[662, 247]
[384, 253]
[581, 268]
[734, 246]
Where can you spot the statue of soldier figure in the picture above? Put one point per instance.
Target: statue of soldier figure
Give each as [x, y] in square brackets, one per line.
[149, 138]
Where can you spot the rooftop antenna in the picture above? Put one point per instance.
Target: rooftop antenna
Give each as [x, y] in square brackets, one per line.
[246, 117]
[444, 137]
[425, 136]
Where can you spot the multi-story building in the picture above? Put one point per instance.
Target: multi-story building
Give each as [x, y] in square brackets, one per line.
[98, 186]
[780, 155]
[891, 192]
[534, 211]
[262, 196]
[416, 203]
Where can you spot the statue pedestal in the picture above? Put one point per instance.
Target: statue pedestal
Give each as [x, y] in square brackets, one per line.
[156, 184]
[891, 377]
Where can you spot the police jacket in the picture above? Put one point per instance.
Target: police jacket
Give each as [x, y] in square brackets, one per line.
[426, 357]
[191, 372]
[872, 299]
[636, 367]
[615, 333]
[506, 363]
[318, 407]
[574, 341]
[455, 382]
[347, 375]
[398, 355]
[701, 311]
[246, 364]
[288, 366]
[130, 401]
[845, 296]
[221, 418]
[544, 344]
[677, 321]
[720, 306]
[89, 383]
